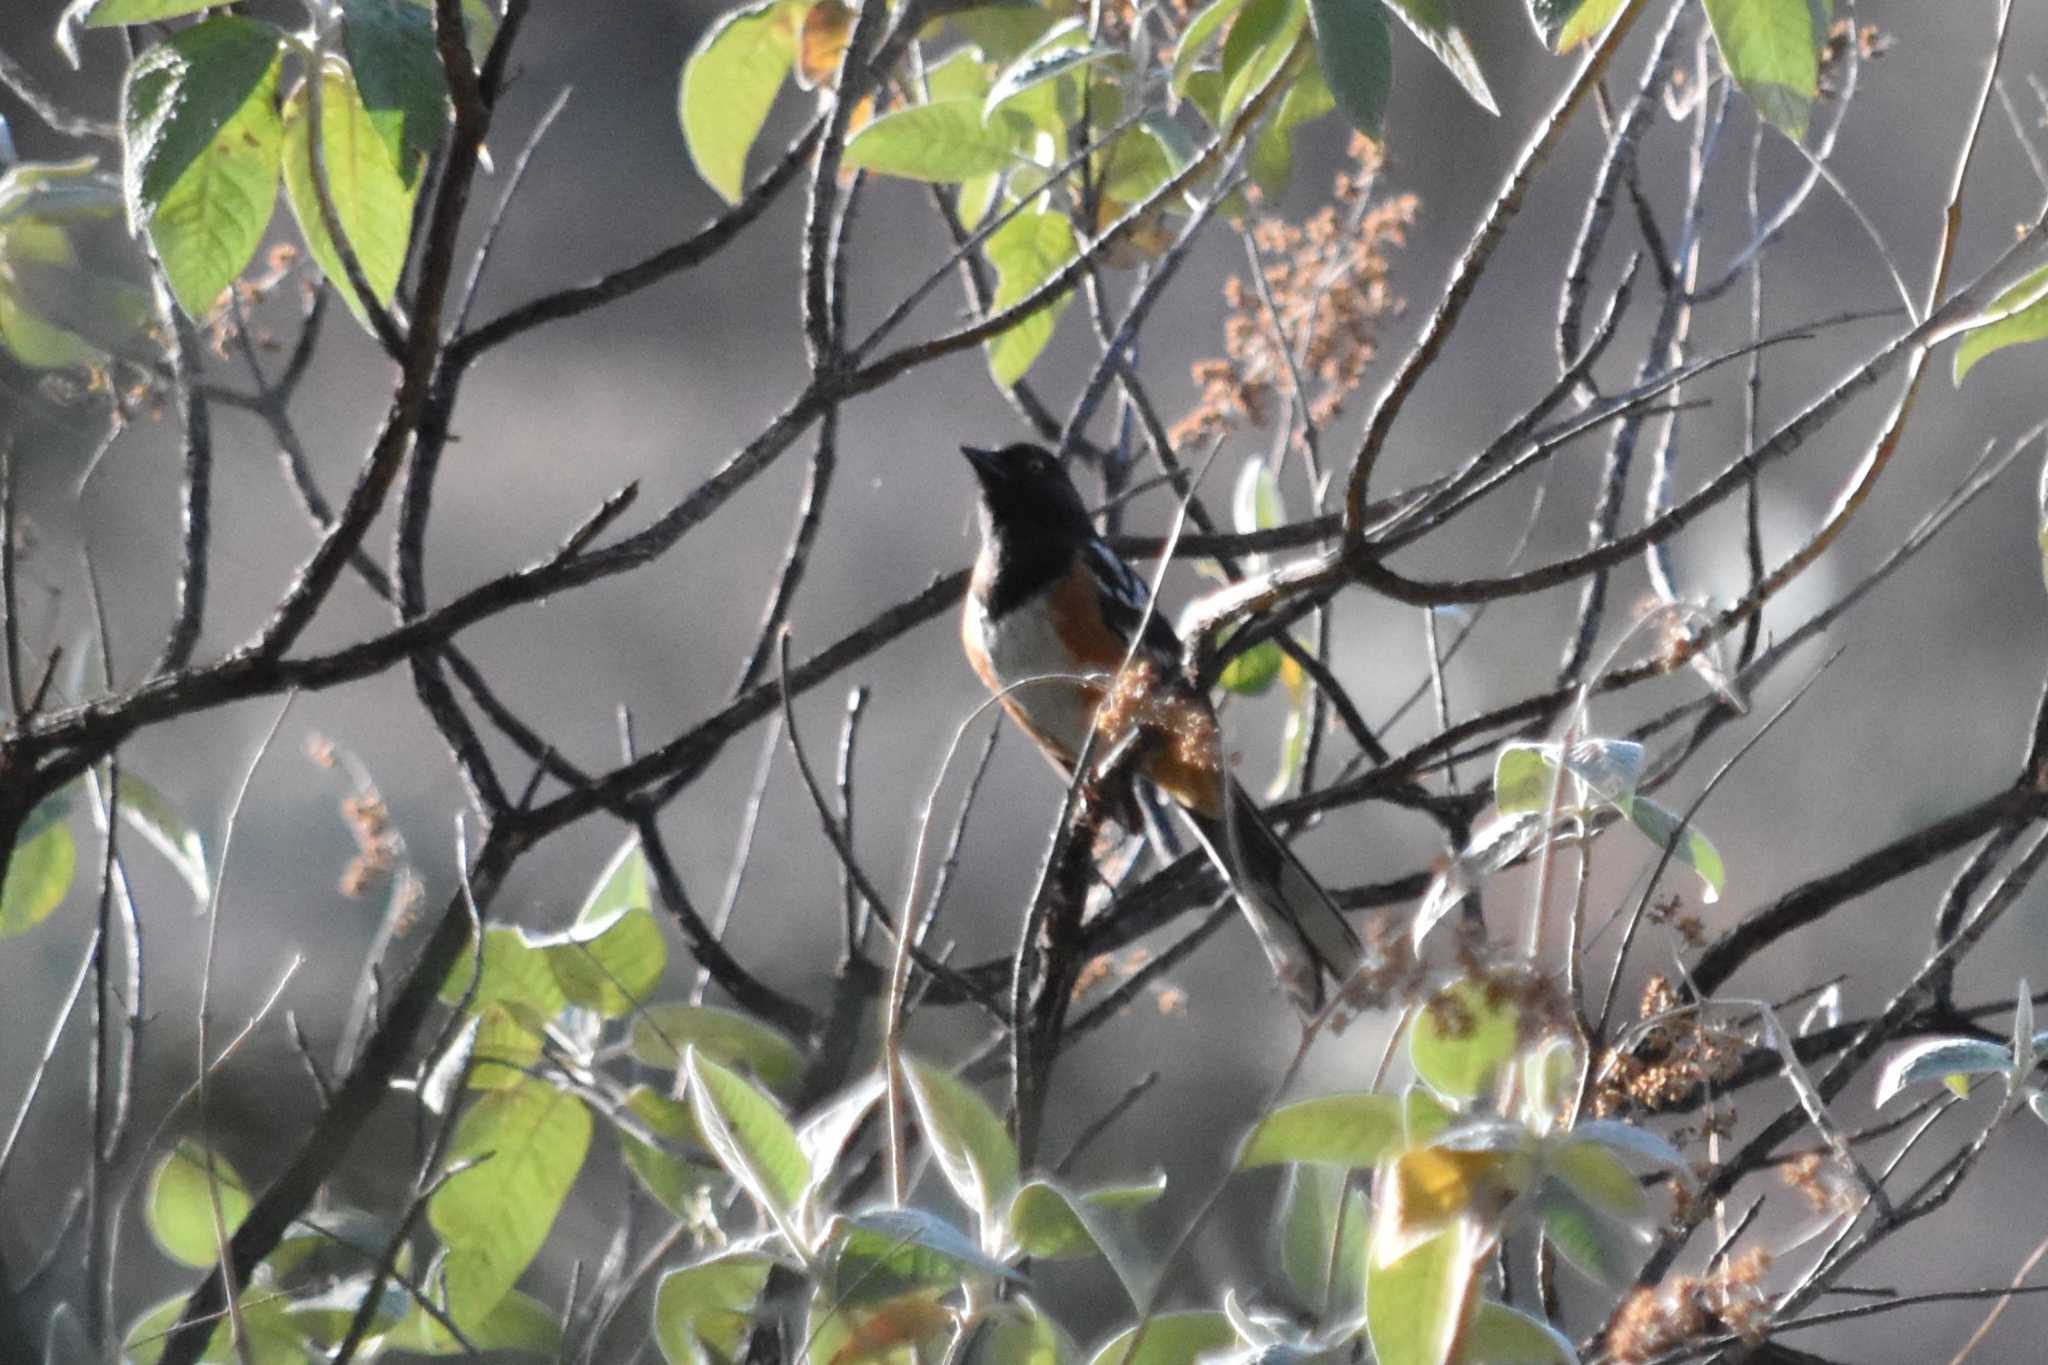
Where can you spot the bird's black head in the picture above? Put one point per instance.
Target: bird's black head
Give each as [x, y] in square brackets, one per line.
[1023, 488]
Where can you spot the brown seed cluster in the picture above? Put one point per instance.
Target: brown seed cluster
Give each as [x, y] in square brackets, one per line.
[1669, 1061]
[1139, 702]
[1328, 278]
[1685, 1308]
[1871, 43]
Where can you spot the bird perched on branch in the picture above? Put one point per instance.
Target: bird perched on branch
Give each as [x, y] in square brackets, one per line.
[1051, 616]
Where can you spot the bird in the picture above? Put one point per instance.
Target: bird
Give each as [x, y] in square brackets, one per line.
[1049, 622]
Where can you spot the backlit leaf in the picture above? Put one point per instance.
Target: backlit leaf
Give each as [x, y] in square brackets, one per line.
[1353, 1130]
[1463, 1037]
[390, 47]
[202, 146]
[1434, 23]
[1170, 1339]
[2022, 316]
[370, 198]
[38, 876]
[528, 1142]
[729, 83]
[1027, 251]
[974, 1149]
[750, 1138]
[662, 1033]
[1501, 1335]
[702, 1311]
[1416, 1306]
[1772, 49]
[943, 142]
[179, 1205]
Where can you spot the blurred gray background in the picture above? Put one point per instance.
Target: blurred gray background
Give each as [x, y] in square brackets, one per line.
[1926, 710]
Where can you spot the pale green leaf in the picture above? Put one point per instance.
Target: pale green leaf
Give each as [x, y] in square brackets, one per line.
[1772, 49]
[1199, 36]
[883, 1253]
[371, 201]
[750, 1137]
[662, 1033]
[1027, 251]
[1462, 1038]
[729, 84]
[202, 142]
[109, 13]
[1597, 1176]
[672, 1179]
[519, 1323]
[528, 1143]
[1353, 1130]
[1272, 158]
[149, 814]
[974, 1149]
[179, 1206]
[1308, 1225]
[1258, 43]
[1416, 1306]
[38, 875]
[2021, 314]
[1170, 1339]
[702, 1311]
[944, 142]
[1589, 20]
[1501, 1335]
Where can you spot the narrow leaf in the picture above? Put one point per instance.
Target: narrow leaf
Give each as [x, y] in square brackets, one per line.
[1356, 56]
[1432, 22]
[1937, 1058]
[750, 1138]
[371, 201]
[974, 1150]
[2022, 316]
[1415, 1307]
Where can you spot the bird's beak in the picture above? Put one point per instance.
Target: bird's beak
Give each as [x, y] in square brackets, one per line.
[984, 462]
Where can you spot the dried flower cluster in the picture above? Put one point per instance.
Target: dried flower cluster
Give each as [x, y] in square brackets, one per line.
[1871, 43]
[1685, 1308]
[1678, 1053]
[1328, 279]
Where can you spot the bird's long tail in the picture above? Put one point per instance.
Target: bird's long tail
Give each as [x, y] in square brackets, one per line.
[1303, 932]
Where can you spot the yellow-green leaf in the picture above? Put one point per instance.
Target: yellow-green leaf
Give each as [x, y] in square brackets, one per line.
[371, 201]
[528, 1142]
[1027, 251]
[38, 875]
[1463, 1037]
[1353, 1130]
[1416, 1307]
[201, 143]
[729, 84]
[943, 142]
[1772, 49]
[2022, 316]
[179, 1206]
[662, 1033]
[702, 1311]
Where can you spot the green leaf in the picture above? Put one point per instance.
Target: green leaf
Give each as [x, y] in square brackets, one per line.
[1523, 775]
[110, 13]
[528, 1142]
[1309, 1201]
[1772, 49]
[1357, 58]
[160, 825]
[729, 83]
[668, 1177]
[888, 1332]
[1695, 850]
[884, 1253]
[1308, 99]
[503, 1045]
[38, 876]
[1017, 1333]
[1462, 1038]
[1199, 36]
[1433, 22]
[180, 1203]
[944, 142]
[2027, 304]
[1251, 673]
[961, 75]
[662, 1033]
[1589, 21]
[1051, 1223]
[390, 47]
[1597, 1176]
[1353, 1130]
[274, 1339]
[611, 958]
[702, 1311]
[1423, 1116]
[371, 201]
[1170, 1339]
[201, 143]
[1582, 1236]
[1259, 41]
[1416, 1306]
[1002, 31]
[515, 975]
[1027, 251]
[520, 1323]
[1501, 1335]
[750, 1138]
[1937, 1059]
[1133, 167]
[974, 1150]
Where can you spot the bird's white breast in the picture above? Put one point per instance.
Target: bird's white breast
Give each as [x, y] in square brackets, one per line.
[1021, 644]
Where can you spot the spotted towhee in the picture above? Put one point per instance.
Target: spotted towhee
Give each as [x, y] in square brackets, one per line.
[1051, 601]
